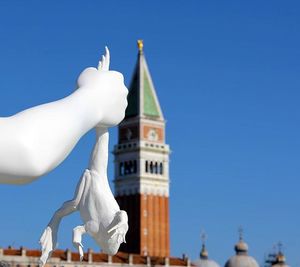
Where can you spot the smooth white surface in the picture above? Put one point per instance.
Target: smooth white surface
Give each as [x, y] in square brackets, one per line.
[36, 140]
[100, 212]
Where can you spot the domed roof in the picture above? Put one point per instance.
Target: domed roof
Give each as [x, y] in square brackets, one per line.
[241, 259]
[204, 261]
[280, 260]
[241, 247]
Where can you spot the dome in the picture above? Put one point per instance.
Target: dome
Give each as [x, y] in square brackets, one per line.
[280, 260]
[241, 247]
[204, 261]
[241, 259]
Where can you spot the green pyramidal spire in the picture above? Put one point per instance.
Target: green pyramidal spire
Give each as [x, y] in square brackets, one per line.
[142, 99]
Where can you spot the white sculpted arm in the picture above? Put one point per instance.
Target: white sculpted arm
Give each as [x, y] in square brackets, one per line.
[35, 141]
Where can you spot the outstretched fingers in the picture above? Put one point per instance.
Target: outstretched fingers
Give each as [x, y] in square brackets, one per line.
[105, 61]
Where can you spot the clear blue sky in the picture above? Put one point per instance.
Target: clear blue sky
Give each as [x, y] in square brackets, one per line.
[227, 76]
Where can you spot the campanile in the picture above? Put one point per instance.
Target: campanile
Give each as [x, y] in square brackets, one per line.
[142, 167]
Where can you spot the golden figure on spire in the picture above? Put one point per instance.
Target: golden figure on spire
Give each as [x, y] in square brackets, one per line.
[140, 45]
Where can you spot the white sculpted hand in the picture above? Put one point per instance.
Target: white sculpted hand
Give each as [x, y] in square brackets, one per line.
[114, 92]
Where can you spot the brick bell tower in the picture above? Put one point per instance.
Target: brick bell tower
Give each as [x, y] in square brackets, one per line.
[142, 167]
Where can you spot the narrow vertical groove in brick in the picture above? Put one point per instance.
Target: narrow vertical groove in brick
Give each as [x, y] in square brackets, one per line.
[156, 222]
[167, 220]
[162, 227]
[144, 237]
[150, 224]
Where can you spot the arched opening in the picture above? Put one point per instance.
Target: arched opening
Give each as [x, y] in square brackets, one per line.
[151, 167]
[121, 169]
[156, 168]
[126, 168]
[146, 166]
[134, 166]
[161, 171]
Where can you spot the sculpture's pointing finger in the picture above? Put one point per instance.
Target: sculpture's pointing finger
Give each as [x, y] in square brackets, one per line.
[106, 52]
[107, 58]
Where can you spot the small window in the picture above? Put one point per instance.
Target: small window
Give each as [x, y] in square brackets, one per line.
[131, 166]
[126, 168]
[146, 166]
[121, 169]
[156, 168]
[151, 167]
[134, 166]
[161, 171]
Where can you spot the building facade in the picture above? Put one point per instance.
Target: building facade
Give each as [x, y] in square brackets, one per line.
[12, 257]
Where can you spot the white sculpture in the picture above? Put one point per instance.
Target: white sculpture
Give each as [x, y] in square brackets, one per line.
[35, 141]
[101, 214]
